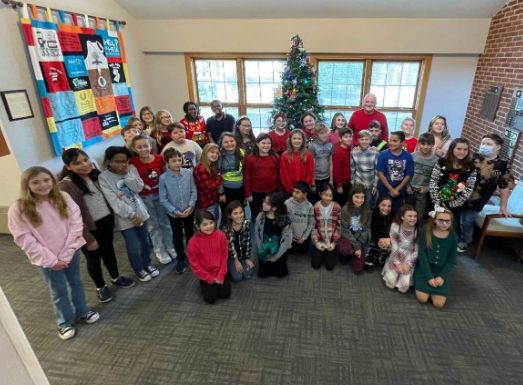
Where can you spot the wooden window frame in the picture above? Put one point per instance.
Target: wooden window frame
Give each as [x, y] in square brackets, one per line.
[315, 58]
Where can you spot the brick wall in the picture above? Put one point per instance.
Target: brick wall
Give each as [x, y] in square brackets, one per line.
[501, 63]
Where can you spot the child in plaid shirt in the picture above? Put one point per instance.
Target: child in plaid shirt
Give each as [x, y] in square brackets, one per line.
[208, 181]
[363, 167]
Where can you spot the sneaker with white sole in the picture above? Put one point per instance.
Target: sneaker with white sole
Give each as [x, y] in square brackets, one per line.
[91, 317]
[462, 247]
[66, 333]
[104, 294]
[153, 271]
[164, 258]
[143, 276]
[180, 267]
[123, 282]
[172, 253]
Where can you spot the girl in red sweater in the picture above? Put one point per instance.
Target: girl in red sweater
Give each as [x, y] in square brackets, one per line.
[296, 163]
[279, 134]
[208, 181]
[341, 173]
[262, 173]
[208, 252]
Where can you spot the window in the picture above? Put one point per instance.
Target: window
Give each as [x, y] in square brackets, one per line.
[246, 84]
[396, 84]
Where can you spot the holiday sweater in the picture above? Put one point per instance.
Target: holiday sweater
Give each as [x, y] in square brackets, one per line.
[451, 186]
[341, 173]
[262, 174]
[309, 135]
[410, 144]
[279, 142]
[150, 173]
[360, 120]
[352, 229]
[208, 255]
[295, 170]
[196, 131]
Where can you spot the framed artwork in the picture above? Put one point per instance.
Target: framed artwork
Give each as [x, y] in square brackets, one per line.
[17, 105]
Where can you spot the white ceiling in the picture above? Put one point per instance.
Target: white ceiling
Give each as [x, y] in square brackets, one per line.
[310, 9]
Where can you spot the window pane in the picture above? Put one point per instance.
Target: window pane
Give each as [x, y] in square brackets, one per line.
[340, 82]
[394, 119]
[260, 119]
[394, 83]
[206, 112]
[217, 79]
[262, 78]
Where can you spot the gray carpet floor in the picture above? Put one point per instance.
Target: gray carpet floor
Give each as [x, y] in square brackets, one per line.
[313, 327]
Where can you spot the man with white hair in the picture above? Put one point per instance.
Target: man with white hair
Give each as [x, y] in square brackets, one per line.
[361, 119]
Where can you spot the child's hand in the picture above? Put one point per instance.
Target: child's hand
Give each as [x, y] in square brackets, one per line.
[409, 190]
[406, 269]
[137, 222]
[249, 199]
[300, 241]
[374, 190]
[432, 283]
[272, 259]
[60, 265]
[331, 246]
[373, 148]
[187, 211]
[321, 246]
[218, 282]
[340, 190]
[421, 190]
[222, 198]
[439, 281]
[238, 266]
[358, 253]
[250, 264]
[92, 246]
[394, 193]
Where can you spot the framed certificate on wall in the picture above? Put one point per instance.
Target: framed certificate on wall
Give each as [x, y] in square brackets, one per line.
[17, 105]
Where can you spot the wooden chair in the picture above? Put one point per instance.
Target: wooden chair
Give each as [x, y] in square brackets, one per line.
[492, 223]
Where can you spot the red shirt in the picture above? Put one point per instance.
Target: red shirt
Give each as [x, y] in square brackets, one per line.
[208, 254]
[279, 142]
[291, 172]
[341, 166]
[150, 173]
[334, 138]
[206, 186]
[410, 144]
[166, 138]
[360, 121]
[261, 174]
[196, 131]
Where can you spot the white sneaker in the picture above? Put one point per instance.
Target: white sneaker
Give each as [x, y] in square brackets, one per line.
[143, 276]
[172, 253]
[66, 333]
[164, 259]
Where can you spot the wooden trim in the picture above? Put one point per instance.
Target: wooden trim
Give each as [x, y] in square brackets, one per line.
[421, 93]
[236, 55]
[191, 78]
[240, 70]
[319, 56]
[365, 86]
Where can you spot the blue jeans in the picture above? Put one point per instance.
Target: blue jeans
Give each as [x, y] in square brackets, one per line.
[467, 221]
[217, 212]
[137, 245]
[370, 198]
[158, 224]
[235, 276]
[62, 282]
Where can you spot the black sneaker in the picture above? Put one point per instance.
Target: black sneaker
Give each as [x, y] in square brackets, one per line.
[143, 276]
[180, 267]
[462, 247]
[91, 317]
[67, 333]
[123, 282]
[153, 271]
[104, 294]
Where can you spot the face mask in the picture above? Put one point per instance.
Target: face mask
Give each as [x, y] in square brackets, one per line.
[486, 150]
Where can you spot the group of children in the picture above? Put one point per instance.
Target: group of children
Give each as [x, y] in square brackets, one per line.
[256, 199]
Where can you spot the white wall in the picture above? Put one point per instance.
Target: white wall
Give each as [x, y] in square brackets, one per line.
[29, 139]
[448, 91]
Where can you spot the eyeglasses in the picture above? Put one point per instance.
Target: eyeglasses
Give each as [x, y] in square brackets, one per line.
[444, 221]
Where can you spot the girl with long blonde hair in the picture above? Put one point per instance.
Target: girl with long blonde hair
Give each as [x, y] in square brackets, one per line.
[47, 225]
[159, 132]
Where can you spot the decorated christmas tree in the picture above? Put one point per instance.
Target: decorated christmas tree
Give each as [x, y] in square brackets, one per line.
[298, 92]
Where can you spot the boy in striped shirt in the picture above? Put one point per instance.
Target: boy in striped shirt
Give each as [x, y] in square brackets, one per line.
[363, 167]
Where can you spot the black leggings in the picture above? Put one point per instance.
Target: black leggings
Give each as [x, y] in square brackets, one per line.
[212, 291]
[326, 257]
[104, 235]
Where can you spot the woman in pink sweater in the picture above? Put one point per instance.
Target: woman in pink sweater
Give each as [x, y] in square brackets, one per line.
[208, 251]
[47, 225]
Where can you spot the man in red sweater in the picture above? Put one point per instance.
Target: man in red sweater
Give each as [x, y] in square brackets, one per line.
[341, 167]
[361, 119]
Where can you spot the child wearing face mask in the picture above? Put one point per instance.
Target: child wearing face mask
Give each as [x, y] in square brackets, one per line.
[453, 179]
[492, 172]
[436, 258]
[399, 267]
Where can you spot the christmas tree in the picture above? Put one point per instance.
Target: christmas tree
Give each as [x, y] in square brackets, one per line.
[299, 88]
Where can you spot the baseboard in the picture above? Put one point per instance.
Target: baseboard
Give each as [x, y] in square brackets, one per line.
[3, 220]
